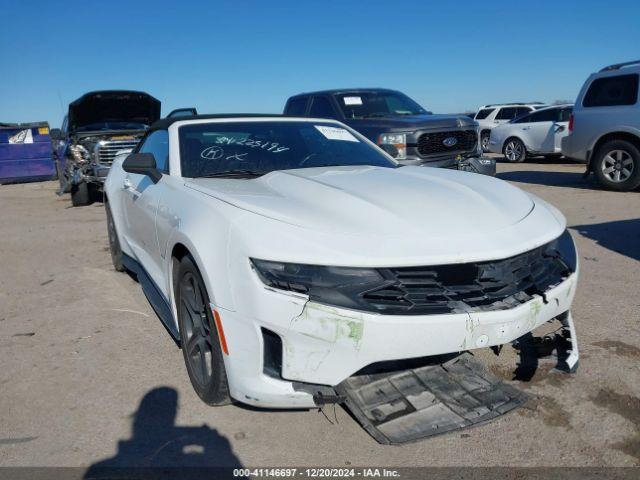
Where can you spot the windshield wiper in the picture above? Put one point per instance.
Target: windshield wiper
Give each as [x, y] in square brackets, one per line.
[234, 173]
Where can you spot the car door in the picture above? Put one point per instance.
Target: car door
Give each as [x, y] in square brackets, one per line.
[141, 199]
[538, 134]
[506, 114]
[561, 128]
[60, 145]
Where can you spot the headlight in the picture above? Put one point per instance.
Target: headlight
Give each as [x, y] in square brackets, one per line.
[329, 285]
[564, 250]
[398, 140]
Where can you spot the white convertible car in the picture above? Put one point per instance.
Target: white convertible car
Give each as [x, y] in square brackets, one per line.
[285, 255]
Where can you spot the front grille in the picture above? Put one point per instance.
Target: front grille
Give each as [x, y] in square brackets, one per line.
[432, 143]
[469, 287]
[106, 150]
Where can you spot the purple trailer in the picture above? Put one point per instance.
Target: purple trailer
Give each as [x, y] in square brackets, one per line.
[25, 152]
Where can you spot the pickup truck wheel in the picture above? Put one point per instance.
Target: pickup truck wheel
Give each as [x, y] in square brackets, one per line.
[80, 194]
[617, 165]
[514, 150]
[484, 141]
[95, 193]
[199, 336]
[63, 179]
[114, 243]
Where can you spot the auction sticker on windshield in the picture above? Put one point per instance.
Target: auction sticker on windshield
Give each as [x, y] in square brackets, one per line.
[336, 133]
[352, 100]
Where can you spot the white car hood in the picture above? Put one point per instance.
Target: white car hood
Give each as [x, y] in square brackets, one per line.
[377, 201]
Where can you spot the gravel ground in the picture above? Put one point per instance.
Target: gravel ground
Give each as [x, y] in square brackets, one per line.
[89, 375]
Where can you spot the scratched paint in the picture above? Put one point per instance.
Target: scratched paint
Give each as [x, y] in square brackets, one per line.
[330, 325]
[315, 333]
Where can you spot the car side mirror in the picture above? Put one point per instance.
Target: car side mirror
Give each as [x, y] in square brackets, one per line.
[56, 134]
[143, 164]
[390, 149]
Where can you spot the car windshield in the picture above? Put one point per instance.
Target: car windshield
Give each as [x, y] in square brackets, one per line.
[377, 104]
[259, 147]
[92, 127]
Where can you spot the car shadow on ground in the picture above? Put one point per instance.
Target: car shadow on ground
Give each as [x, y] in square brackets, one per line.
[540, 160]
[158, 447]
[551, 179]
[621, 236]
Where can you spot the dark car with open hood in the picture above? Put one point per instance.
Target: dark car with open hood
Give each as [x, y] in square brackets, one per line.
[400, 126]
[99, 125]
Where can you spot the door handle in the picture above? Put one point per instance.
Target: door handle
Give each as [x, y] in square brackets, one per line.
[127, 185]
[526, 128]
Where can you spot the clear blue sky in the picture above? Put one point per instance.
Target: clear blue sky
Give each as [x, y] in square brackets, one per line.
[239, 56]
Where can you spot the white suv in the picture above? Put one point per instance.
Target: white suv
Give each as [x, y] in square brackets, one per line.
[490, 116]
[536, 133]
[604, 130]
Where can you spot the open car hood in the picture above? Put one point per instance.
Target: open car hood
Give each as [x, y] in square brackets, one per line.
[113, 106]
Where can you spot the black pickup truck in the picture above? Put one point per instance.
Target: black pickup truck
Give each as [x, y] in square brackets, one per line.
[400, 126]
[98, 126]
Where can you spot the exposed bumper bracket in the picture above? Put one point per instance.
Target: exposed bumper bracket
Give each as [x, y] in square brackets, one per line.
[561, 345]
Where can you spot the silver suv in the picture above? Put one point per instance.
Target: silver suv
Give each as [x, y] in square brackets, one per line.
[604, 130]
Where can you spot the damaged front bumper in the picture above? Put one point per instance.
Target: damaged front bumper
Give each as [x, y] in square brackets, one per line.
[323, 345]
[92, 174]
[483, 165]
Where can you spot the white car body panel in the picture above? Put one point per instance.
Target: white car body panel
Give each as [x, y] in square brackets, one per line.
[343, 216]
[543, 137]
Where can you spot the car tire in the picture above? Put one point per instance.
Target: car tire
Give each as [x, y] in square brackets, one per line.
[484, 141]
[199, 336]
[95, 193]
[617, 165]
[80, 194]
[514, 150]
[63, 180]
[114, 243]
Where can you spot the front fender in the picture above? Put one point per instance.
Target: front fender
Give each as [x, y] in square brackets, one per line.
[205, 233]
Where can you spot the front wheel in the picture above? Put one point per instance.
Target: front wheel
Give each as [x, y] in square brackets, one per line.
[114, 243]
[617, 165]
[484, 141]
[515, 151]
[199, 336]
[80, 194]
[63, 179]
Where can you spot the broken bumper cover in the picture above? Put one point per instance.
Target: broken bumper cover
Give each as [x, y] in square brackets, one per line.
[325, 345]
[482, 165]
[90, 174]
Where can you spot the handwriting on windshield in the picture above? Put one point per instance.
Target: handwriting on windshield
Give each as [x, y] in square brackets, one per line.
[216, 153]
[212, 153]
[237, 156]
[273, 147]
